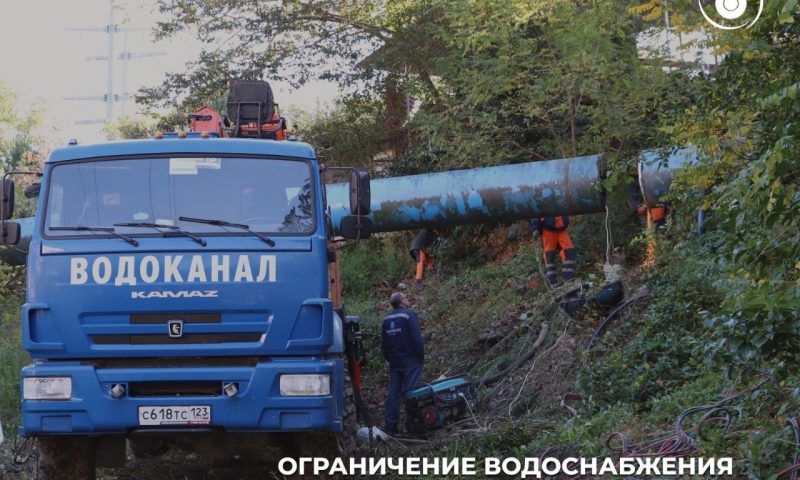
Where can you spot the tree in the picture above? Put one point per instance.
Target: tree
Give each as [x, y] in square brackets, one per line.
[18, 142]
[495, 82]
[744, 122]
[353, 133]
[129, 128]
[293, 41]
[533, 80]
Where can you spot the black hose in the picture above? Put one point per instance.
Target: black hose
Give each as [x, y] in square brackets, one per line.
[610, 317]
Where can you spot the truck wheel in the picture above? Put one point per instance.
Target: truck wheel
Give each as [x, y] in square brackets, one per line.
[148, 447]
[346, 439]
[318, 444]
[66, 458]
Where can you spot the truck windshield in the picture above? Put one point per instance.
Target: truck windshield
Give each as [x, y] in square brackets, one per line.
[269, 195]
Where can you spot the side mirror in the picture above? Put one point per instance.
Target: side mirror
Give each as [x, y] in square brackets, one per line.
[32, 190]
[360, 198]
[355, 228]
[7, 205]
[10, 233]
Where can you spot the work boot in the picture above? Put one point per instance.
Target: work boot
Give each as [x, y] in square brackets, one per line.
[391, 430]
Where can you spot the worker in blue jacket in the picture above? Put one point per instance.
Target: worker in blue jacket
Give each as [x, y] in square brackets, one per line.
[401, 344]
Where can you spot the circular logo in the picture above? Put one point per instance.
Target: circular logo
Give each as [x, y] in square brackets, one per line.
[730, 13]
[731, 9]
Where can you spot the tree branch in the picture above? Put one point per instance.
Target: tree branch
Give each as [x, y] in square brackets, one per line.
[519, 361]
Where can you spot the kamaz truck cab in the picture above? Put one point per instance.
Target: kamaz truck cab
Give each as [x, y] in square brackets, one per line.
[182, 287]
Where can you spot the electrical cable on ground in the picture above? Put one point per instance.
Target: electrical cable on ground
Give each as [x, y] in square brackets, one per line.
[614, 313]
[683, 441]
[483, 428]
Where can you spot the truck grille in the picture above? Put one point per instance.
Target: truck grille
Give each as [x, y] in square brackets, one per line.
[156, 318]
[175, 389]
[174, 362]
[213, 320]
[164, 339]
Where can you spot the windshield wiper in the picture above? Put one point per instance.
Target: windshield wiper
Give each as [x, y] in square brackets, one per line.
[172, 228]
[81, 228]
[223, 223]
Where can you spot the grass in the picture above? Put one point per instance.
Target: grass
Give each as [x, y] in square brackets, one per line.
[12, 359]
[647, 368]
[12, 355]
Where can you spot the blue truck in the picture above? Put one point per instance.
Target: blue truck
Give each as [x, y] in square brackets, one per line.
[183, 288]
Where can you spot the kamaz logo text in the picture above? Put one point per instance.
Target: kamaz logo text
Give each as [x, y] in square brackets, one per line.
[130, 270]
[178, 294]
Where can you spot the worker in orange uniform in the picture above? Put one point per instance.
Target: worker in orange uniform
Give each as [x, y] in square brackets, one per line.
[656, 216]
[553, 231]
[420, 251]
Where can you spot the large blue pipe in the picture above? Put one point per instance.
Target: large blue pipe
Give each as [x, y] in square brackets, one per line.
[569, 186]
[657, 168]
[490, 194]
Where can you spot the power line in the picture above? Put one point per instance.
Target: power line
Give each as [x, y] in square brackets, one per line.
[110, 97]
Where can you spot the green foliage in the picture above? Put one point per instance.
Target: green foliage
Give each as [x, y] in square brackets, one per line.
[21, 148]
[744, 120]
[293, 41]
[12, 356]
[17, 137]
[129, 128]
[351, 134]
[373, 262]
[496, 82]
[647, 354]
[522, 81]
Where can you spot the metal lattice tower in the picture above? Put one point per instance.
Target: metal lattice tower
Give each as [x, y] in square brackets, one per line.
[111, 97]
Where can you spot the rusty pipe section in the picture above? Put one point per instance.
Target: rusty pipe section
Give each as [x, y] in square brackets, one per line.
[568, 186]
[657, 168]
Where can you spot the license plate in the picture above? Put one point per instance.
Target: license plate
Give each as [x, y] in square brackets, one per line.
[176, 415]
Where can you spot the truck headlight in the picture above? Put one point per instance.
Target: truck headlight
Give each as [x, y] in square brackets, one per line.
[305, 385]
[47, 388]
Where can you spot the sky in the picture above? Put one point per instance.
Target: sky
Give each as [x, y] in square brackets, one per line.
[44, 62]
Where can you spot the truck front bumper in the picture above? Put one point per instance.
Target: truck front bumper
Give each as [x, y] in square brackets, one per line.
[257, 406]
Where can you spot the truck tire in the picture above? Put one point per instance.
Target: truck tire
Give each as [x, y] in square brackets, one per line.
[318, 444]
[346, 440]
[66, 458]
